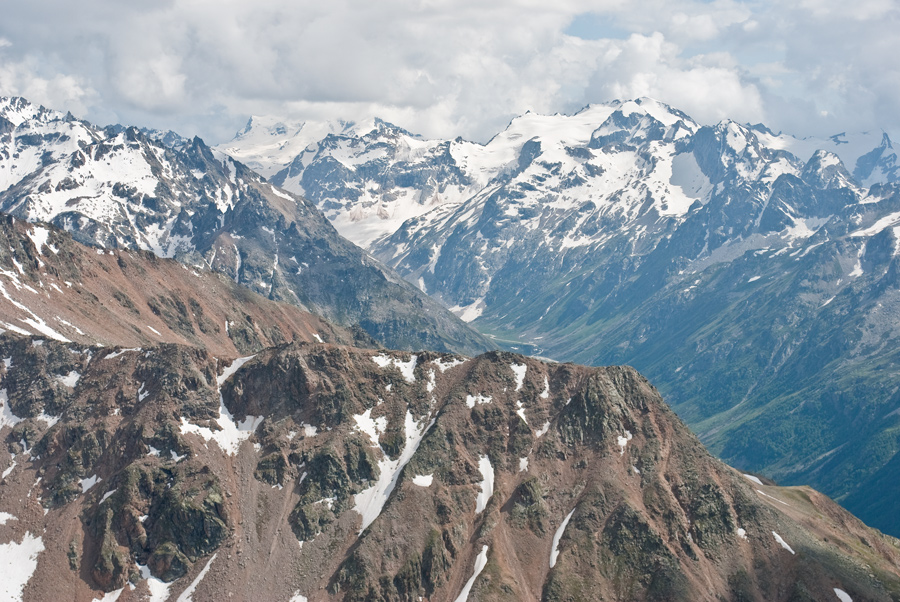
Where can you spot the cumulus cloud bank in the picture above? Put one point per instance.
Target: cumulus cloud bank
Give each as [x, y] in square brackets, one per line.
[447, 68]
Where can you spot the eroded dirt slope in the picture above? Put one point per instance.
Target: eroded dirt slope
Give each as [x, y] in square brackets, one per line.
[51, 285]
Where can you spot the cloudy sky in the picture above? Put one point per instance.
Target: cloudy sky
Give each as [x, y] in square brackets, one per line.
[453, 67]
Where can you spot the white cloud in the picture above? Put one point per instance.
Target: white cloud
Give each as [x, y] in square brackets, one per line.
[443, 67]
[55, 90]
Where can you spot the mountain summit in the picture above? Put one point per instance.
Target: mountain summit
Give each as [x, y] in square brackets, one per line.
[123, 188]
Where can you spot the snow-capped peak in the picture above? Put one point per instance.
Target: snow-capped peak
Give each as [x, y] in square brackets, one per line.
[268, 144]
[17, 110]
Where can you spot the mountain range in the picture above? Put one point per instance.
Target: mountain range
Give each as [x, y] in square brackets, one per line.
[750, 275]
[168, 433]
[120, 187]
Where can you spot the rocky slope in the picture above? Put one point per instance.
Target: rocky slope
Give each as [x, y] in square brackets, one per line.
[54, 287]
[750, 275]
[324, 472]
[123, 188]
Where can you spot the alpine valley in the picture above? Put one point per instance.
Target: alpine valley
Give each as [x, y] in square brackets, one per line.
[198, 399]
[751, 276]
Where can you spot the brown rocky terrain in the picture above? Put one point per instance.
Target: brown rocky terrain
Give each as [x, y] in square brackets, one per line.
[51, 285]
[326, 472]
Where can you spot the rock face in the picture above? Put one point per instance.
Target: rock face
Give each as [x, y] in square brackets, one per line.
[328, 472]
[751, 276]
[123, 188]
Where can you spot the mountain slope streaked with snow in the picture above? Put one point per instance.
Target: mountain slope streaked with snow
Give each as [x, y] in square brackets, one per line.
[124, 188]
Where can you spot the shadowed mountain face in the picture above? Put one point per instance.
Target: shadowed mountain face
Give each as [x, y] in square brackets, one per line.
[750, 275]
[335, 473]
[122, 188]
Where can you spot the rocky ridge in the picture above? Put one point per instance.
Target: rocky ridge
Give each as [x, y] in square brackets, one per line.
[124, 188]
[54, 287]
[325, 472]
[369, 177]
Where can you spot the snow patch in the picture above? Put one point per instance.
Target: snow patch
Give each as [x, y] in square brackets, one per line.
[107, 495]
[479, 399]
[443, 366]
[369, 503]
[741, 533]
[543, 430]
[38, 236]
[374, 428]
[423, 480]
[7, 418]
[159, 589]
[35, 321]
[89, 482]
[545, 394]
[557, 536]
[487, 484]
[471, 312]
[5, 517]
[523, 464]
[623, 442]
[480, 563]
[771, 497]
[519, 370]
[520, 410]
[17, 564]
[231, 433]
[328, 501]
[49, 420]
[750, 477]
[187, 595]
[407, 369]
[110, 356]
[69, 380]
[842, 595]
[782, 543]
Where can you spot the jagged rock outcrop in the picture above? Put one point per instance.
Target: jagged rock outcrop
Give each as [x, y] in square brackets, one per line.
[335, 473]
